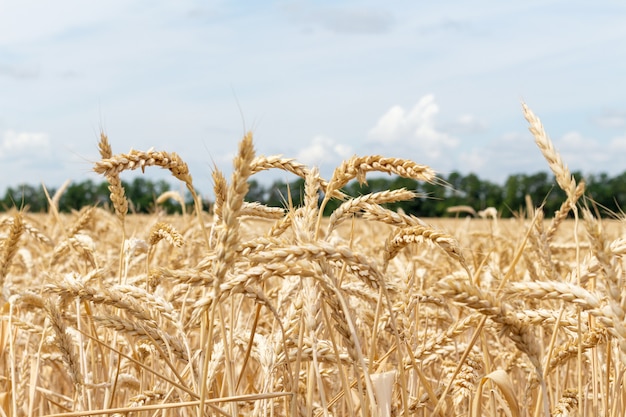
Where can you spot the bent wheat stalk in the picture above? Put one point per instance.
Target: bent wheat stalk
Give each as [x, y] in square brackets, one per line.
[357, 167]
[412, 234]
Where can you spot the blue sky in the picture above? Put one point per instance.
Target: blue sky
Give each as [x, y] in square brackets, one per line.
[317, 81]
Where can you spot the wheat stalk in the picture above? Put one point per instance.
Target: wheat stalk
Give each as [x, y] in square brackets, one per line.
[165, 231]
[298, 315]
[562, 174]
[364, 202]
[412, 234]
[9, 248]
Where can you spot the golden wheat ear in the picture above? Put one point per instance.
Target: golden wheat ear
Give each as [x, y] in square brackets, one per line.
[357, 167]
[10, 245]
[561, 172]
[286, 318]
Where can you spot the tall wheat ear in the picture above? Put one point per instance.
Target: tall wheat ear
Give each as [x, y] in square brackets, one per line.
[118, 194]
[115, 164]
[574, 191]
[358, 166]
[10, 247]
[228, 240]
[404, 236]
[561, 172]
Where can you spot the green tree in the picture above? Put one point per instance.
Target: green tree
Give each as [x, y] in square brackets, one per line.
[372, 185]
[601, 191]
[433, 203]
[281, 194]
[256, 192]
[474, 190]
[618, 189]
[142, 193]
[609, 193]
[411, 206]
[513, 195]
[78, 195]
[27, 196]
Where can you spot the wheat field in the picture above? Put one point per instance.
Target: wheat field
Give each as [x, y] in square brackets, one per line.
[247, 310]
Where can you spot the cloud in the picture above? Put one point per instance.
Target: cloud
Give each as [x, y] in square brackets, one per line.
[355, 20]
[28, 21]
[415, 127]
[30, 159]
[344, 20]
[516, 152]
[591, 155]
[466, 124]
[19, 73]
[510, 152]
[462, 27]
[474, 161]
[580, 152]
[610, 119]
[618, 144]
[575, 140]
[21, 142]
[324, 151]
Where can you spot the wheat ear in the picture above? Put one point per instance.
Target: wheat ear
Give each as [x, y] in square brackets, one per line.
[174, 195]
[9, 246]
[115, 164]
[404, 236]
[262, 163]
[162, 230]
[225, 251]
[219, 189]
[64, 342]
[118, 194]
[358, 204]
[228, 237]
[563, 176]
[357, 167]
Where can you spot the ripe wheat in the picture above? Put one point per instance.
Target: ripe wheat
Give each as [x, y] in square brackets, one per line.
[259, 311]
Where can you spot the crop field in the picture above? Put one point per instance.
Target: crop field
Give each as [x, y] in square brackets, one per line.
[247, 310]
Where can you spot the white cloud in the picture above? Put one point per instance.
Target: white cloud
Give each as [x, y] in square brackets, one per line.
[19, 72]
[31, 159]
[516, 152]
[474, 160]
[508, 153]
[611, 119]
[30, 20]
[587, 154]
[580, 152]
[17, 142]
[359, 20]
[391, 127]
[466, 124]
[618, 144]
[575, 140]
[344, 20]
[415, 127]
[323, 151]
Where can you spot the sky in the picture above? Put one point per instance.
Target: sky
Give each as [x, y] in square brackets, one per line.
[440, 83]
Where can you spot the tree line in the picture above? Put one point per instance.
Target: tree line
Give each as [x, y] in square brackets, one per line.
[607, 193]
[434, 200]
[141, 194]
